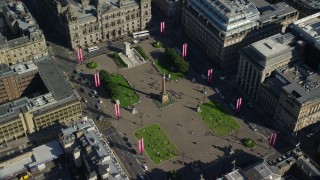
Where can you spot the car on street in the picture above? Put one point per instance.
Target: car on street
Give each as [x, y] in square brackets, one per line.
[129, 144]
[232, 106]
[98, 106]
[90, 94]
[177, 49]
[81, 89]
[149, 174]
[100, 118]
[84, 100]
[253, 127]
[135, 41]
[217, 90]
[310, 135]
[94, 92]
[145, 167]
[100, 101]
[221, 96]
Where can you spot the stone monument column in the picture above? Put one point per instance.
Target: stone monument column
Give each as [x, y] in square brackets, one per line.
[126, 48]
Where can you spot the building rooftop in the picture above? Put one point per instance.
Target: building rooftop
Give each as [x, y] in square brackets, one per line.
[261, 171]
[272, 50]
[41, 154]
[311, 3]
[55, 81]
[17, 69]
[308, 29]
[298, 80]
[60, 91]
[22, 26]
[47, 152]
[84, 10]
[97, 151]
[237, 174]
[239, 15]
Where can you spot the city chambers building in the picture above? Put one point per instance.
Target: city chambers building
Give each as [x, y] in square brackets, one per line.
[20, 37]
[88, 22]
[222, 27]
[34, 96]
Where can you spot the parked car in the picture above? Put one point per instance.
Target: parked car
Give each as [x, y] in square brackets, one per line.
[100, 101]
[217, 90]
[232, 106]
[84, 100]
[100, 118]
[145, 167]
[177, 49]
[98, 106]
[253, 127]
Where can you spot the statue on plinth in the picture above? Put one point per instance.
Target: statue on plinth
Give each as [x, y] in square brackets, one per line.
[164, 96]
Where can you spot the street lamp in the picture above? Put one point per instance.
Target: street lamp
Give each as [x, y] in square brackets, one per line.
[141, 116]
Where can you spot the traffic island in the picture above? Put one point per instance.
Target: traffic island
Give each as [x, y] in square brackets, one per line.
[217, 119]
[157, 44]
[157, 144]
[92, 65]
[249, 143]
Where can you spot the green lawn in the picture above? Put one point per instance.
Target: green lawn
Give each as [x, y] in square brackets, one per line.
[217, 119]
[127, 95]
[157, 44]
[157, 144]
[92, 65]
[163, 64]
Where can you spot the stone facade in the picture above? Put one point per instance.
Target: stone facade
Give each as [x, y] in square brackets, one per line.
[87, 23]
[260, 59]
[20, 37]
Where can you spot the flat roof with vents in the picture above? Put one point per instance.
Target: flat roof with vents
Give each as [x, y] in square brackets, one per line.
[308, 29]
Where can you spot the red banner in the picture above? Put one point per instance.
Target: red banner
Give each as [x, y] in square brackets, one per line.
[184, 49]
[210, 71]
[117, 110]
[80, 55]
[162, 26]
[238, 106]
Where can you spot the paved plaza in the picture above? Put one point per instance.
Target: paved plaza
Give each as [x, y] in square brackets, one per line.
[180, 121]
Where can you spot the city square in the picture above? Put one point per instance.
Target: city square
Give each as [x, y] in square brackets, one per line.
[180, 121]
[159, 89]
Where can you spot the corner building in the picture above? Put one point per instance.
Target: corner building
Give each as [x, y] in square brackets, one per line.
[88, 22]
[51, 101]
[296, 88]
[21, 39]
[222, 27]
[260, 59]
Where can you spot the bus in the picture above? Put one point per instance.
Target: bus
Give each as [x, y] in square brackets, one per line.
[94, 48]
[141, 34]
